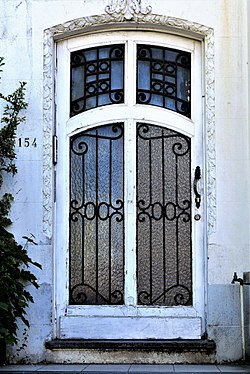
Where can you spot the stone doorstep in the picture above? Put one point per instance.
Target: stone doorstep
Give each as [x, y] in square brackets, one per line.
[171, 346]
[130, 351]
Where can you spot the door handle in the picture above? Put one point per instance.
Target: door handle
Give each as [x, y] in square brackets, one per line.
[197, 177]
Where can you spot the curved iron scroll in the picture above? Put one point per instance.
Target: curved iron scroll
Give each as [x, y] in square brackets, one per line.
[84, 294]
[176, 295]
[164, 248]
[97, 216]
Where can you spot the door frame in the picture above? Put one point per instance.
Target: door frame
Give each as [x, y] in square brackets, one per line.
[177, 322]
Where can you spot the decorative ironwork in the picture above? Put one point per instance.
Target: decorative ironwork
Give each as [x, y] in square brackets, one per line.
[97, 78]
[164, 248]
[96, 216]
[163, 78]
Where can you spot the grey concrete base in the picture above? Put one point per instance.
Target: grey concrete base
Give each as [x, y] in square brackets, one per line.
[130, 351]
[127, 357]
[224, 321]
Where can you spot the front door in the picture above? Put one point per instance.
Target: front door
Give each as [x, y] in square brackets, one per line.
[129, 208]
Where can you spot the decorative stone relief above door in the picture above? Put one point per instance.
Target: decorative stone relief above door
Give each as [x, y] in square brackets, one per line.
[127, 9]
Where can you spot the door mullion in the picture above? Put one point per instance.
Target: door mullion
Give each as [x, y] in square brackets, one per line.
[130, 297]
[130, 73]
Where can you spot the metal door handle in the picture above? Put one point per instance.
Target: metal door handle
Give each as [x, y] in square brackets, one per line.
[197, 177]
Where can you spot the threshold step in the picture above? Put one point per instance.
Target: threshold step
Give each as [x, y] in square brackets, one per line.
[151, 344]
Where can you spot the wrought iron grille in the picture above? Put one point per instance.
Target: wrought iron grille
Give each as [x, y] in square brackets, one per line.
[96, 216]
[97, 78]
[163, 78]
[164, 248]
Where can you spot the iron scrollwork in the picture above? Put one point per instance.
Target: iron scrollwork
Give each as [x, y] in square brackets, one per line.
[176, 295]
[163, 78]
[84, 294]
[164, 261]
[96, 216]
[97, 77]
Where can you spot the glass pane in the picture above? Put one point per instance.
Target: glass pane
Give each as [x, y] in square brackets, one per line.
[97, 78]
[163, 78]
[164, 257]
[96, 216]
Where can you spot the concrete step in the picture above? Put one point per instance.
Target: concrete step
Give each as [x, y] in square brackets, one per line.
[131, 351]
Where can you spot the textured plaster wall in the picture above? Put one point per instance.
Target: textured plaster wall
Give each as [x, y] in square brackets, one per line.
[21, 43]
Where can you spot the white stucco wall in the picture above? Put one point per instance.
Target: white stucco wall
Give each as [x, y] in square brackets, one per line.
[22, 24]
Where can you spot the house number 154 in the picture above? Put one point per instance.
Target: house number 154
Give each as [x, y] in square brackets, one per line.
[27, 142]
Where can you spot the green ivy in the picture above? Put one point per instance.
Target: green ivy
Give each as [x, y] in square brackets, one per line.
[15, 263]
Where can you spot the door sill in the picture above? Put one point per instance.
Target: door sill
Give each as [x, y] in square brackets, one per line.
[163, 345]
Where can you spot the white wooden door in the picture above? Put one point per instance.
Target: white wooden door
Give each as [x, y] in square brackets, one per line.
[129, 248]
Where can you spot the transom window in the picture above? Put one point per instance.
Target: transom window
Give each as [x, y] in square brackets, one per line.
[97, 77]
[163, 78]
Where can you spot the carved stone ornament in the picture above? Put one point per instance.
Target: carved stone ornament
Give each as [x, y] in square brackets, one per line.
[118, 12]
[127, 9]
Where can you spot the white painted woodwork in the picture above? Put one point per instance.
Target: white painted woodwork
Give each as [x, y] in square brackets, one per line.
[130, 320]
[107, 327]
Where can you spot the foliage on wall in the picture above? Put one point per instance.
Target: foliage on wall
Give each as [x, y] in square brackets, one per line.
[14, 260]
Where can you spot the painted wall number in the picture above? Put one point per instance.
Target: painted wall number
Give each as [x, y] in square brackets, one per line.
[27, 142]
